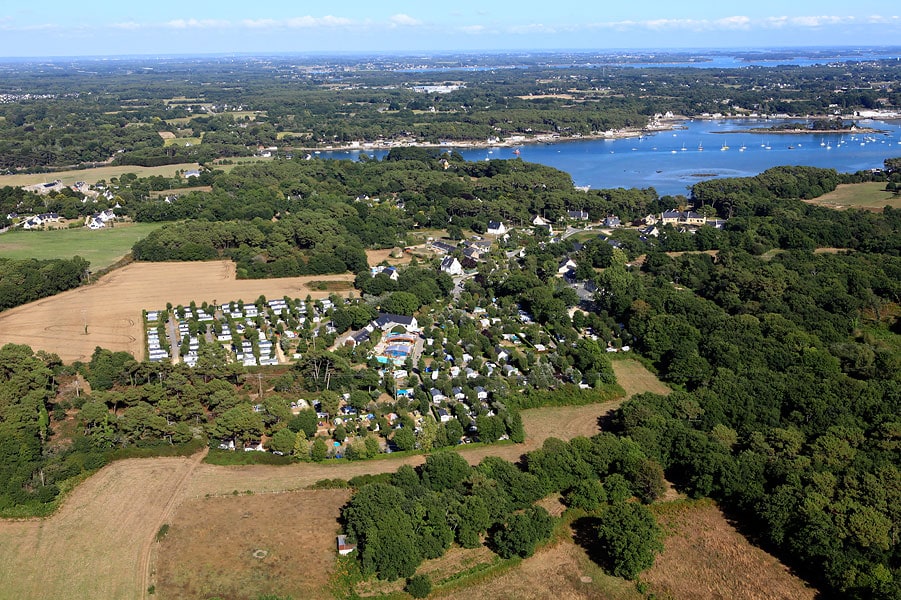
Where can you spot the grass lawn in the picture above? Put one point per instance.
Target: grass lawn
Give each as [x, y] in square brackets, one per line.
[102, 247]
[292, 134]
[193, 141]
[869, 196]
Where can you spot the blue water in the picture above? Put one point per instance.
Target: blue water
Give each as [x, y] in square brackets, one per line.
[659, 161]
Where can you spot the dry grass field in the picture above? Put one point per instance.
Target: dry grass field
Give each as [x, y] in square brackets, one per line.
[111, 307]
[562, 571]
[377, 257]
[705, 558]
[94, 547]
[93, 175]
[240, 548]
[635, 378]
[869, 196]
[178, 191]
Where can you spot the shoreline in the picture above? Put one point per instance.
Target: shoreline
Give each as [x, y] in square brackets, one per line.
[763, 130]
[513, 142]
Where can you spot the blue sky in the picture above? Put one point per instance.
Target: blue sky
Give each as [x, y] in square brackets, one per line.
[117, 27]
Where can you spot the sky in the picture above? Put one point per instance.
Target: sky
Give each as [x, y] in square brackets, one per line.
[40, 28]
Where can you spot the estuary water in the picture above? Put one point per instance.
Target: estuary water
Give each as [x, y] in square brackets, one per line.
[672, 161]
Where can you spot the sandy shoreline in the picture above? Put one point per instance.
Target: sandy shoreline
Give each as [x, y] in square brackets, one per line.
[864, 130]
[512, 142]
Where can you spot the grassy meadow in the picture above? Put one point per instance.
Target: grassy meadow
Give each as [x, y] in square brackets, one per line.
[102, 247]
[868, 196]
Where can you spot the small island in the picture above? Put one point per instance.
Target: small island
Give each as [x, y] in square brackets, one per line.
[811, 126]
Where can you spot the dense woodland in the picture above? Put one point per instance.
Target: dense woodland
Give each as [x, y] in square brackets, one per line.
[22, 281]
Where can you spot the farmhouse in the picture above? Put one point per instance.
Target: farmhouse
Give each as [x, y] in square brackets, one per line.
[38, 221]
[442, 247]
[388, 321]
[496, 228]
[682, 217]
[391, 272]
[451, 266]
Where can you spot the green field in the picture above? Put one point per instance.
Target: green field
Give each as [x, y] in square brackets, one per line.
[183, 141]
[869, 196]
[102, 247]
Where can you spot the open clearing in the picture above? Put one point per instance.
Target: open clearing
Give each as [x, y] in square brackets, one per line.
[869, 196]
[377, 257]
[185, 141]
[635, 378]
[92, 547]
[704, 558]
[102, 247]
[707, 559]
[562, 571]
[272, 544]
[179, 191]
[94, 175]
[110, 309]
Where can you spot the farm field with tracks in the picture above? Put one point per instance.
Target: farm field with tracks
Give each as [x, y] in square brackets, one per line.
[108, 313]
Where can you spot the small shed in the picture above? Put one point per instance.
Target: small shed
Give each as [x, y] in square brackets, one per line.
[343, 547]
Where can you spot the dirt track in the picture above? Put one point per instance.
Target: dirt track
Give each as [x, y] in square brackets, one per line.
[110, 309]
[91, 548]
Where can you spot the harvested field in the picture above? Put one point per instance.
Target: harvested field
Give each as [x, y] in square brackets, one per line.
[868, 196]
[94, 543]
[178, 191]
[246, 546]
[706, 558]
[562, 571]
[110, 309]
[94, 175]
[635, 378]
[376, 257]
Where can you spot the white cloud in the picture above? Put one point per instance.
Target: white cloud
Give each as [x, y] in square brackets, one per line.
[880, 19]
[127, 26]
[405, 20]
[311, 22]
[197, 24]
[303, 22]
[819, 21]
[733, 23]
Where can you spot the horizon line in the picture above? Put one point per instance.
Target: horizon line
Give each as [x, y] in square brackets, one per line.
[433, 53]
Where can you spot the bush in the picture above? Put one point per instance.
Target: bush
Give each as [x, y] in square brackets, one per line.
[419, 586]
